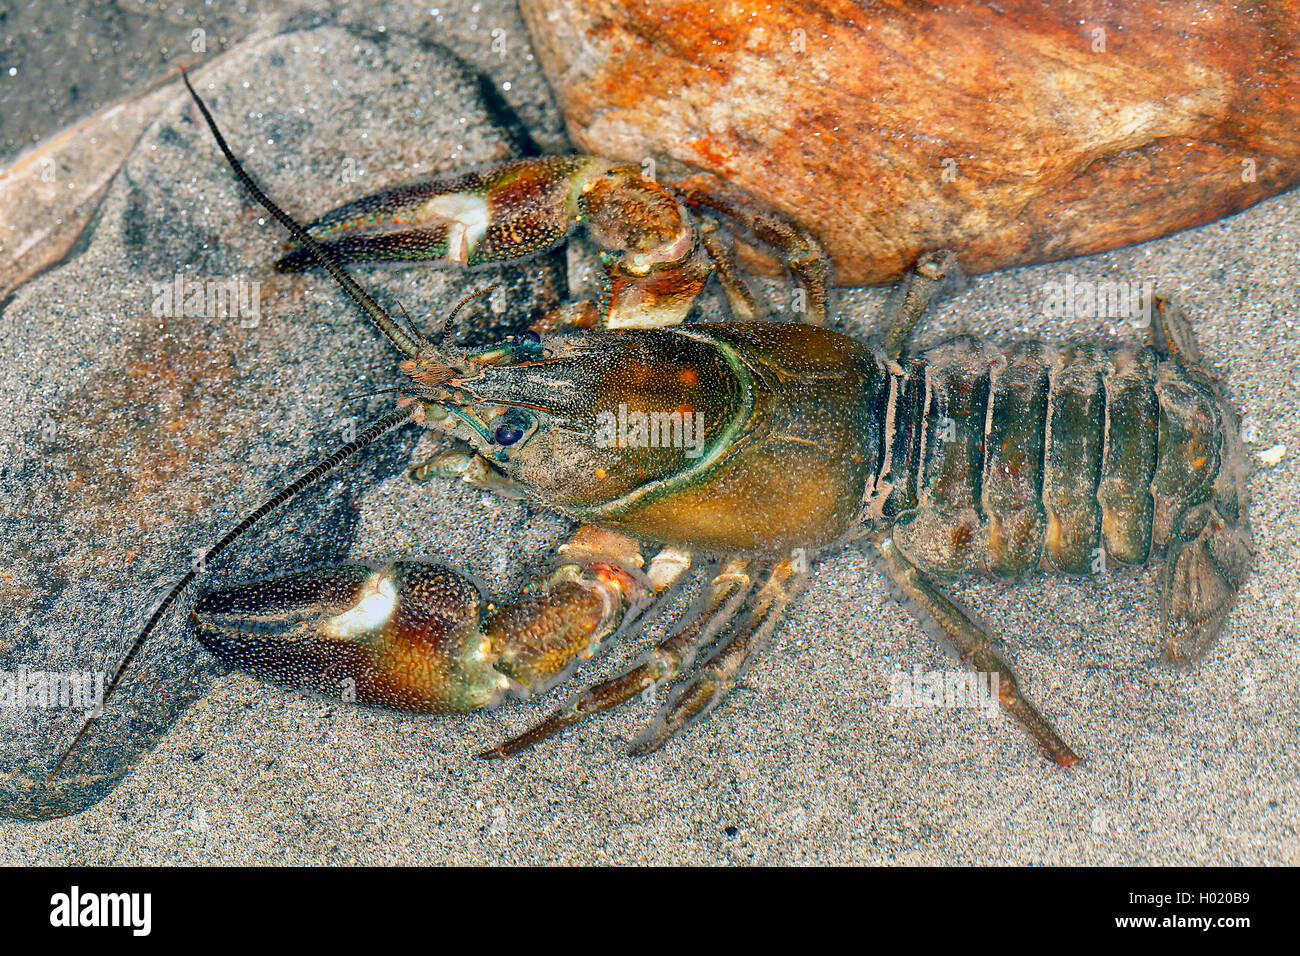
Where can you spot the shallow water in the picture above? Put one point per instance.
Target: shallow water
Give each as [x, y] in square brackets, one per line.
[807, 761]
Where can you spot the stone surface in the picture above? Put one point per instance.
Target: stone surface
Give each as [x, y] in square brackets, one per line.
[1011, 133]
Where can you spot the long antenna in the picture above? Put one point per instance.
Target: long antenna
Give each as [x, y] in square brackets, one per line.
[377, 430]
[411, 346]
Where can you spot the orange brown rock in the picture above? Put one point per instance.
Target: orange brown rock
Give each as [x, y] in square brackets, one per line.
[1018, 132]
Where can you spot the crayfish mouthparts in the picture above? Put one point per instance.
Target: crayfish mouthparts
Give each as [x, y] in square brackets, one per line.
[428, 373]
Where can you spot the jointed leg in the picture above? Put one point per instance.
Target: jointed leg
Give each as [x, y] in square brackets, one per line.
[712, 682]
[936, 274]
[745, 306]
[797, 249]
[664, 662]
[974, 644]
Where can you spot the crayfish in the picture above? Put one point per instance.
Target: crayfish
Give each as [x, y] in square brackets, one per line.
[743, 449]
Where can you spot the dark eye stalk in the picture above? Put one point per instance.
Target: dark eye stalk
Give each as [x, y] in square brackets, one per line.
[527, 344]
[512, 428]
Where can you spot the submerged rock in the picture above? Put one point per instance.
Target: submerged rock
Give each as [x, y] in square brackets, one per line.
[1011, 133]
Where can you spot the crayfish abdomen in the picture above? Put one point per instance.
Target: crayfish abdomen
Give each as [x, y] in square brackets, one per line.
[1056, 458]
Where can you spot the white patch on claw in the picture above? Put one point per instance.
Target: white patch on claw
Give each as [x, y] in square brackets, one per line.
[368, 614]
[467, 221]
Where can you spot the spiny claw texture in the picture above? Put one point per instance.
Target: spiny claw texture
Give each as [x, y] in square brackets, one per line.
[412, 636]
[407, 636]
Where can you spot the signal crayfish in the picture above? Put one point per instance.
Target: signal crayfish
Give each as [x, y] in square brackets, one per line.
[755, 445]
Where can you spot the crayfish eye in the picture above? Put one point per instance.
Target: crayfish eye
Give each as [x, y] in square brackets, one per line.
[528, 343]
[511, 429]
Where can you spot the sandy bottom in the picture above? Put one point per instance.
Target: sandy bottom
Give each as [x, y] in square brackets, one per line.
[807, 761]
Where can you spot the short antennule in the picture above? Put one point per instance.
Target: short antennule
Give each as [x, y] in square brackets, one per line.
[341, 454]
[455, 309]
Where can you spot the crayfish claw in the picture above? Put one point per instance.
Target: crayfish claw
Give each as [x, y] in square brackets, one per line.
[406, 636]
[419, 638]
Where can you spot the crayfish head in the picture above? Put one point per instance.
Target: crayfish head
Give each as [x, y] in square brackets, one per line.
[589, 417]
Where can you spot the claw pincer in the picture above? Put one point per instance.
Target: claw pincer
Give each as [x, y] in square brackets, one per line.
[413, 636]
[406, 636]
[652, 259]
